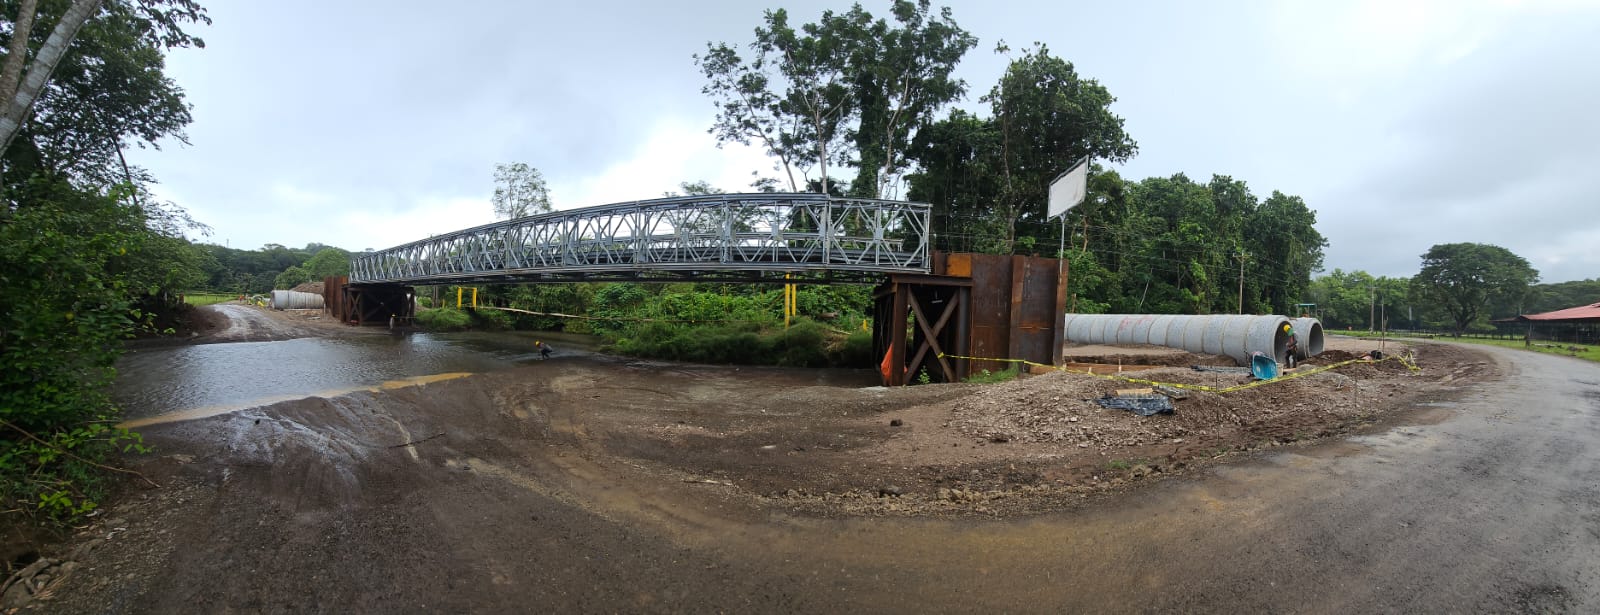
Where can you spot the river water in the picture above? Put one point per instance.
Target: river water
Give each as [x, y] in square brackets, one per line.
[214, 378]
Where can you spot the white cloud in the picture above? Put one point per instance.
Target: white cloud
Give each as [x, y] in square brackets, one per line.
[426, 217]
[676, 150]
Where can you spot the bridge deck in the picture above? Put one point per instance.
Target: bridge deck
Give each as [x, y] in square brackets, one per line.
[724, 237]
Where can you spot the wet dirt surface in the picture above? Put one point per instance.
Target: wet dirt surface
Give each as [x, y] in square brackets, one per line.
[591, 484]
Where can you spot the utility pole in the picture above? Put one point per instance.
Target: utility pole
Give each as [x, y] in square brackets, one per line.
[1242, 256]
[1372, 308]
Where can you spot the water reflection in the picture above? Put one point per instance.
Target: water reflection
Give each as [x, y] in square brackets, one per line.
[163, 380]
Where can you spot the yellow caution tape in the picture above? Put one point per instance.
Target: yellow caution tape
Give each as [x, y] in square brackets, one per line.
[1406, 361]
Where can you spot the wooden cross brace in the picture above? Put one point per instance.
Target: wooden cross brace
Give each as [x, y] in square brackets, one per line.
[930, 335]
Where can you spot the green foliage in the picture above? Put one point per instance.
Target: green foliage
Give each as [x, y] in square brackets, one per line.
[291, 277]
[854, 351]
[108, 92]
[249, 272]
[491, 320]
[199, 299]
[86, 253]
[1465, 279]
[443, 319]
[848, 88]
[1558, 296]
[327, 263]
[988, 377]
[1350, 299]
[519, 190]
[67, 310]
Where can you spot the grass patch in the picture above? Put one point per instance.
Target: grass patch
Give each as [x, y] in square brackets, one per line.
[988, 377]
[199, 299]
[443, 319]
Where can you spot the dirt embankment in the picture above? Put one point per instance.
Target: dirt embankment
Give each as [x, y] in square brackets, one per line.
[332, 495]
[242, 322]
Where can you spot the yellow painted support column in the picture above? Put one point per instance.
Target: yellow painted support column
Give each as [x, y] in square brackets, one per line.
[458, 297]
[474, 297]
[788, 301]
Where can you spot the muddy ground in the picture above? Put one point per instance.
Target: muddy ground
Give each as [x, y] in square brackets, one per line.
[237, 321]
[608, 484]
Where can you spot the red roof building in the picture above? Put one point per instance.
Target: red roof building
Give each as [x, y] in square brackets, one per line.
[1580, 314]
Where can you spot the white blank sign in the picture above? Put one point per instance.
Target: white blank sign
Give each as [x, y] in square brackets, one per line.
[1069, 189]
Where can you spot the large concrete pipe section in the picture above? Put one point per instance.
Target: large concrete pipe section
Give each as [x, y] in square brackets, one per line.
[1227, 335]
[1307, 337]
[294, 300]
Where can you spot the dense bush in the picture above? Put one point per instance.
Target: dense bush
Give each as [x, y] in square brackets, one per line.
[805, 344]
[443, 319]
[491, 320]
[854, 351]
[63, 258]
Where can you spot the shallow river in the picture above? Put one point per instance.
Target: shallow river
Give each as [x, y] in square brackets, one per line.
[212, 378]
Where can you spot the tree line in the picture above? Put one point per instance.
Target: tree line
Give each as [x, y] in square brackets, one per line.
[1460, 287]
[273, 266]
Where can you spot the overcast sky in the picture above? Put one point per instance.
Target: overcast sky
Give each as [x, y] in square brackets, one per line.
[1403, 124]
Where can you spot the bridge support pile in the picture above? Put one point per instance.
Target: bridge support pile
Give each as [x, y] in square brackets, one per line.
[367, 304]
[977, 305]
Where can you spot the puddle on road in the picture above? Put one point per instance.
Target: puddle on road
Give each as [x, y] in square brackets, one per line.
[210, 379]
[1333, 450]
[209, 411]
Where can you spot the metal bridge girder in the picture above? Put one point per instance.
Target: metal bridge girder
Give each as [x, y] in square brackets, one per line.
[753, 237]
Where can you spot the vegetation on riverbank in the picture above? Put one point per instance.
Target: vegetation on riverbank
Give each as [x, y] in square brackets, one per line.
[88, 256]
[700, 323]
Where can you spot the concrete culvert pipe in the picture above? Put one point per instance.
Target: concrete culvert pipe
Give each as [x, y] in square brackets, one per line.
[1307, 337]
[292, 300]
[1233, 336]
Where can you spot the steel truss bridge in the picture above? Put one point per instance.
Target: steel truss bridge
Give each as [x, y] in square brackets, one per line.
[765, 237]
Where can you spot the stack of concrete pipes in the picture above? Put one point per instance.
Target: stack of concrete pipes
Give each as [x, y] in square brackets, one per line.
[1237, 337]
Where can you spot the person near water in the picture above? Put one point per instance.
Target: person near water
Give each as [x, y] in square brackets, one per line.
[1289, 357]
[544, 349]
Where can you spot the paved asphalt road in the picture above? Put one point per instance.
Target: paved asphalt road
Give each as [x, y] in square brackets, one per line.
[1493, 508]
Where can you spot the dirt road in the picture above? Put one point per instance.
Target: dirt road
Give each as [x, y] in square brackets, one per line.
[241, 322]
[606, 486]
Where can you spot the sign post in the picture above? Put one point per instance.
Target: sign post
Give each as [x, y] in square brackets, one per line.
[1067, 190]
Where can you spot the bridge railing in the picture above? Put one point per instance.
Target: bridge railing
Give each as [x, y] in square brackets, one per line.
[715, 237]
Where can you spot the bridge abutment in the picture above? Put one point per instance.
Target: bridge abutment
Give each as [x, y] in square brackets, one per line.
[994, 309]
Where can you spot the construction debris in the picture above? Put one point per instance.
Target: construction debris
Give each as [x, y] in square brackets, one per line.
[1142, 405]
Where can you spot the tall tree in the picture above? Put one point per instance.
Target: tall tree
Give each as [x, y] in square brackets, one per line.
[19, 91]
[1048, 117]
[111, 89]
[993, 174]
[1463, 279]
[814, 62]
[905, 78]
[747, 109]
[1283, 241]
[849, 89]
[519, 191]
